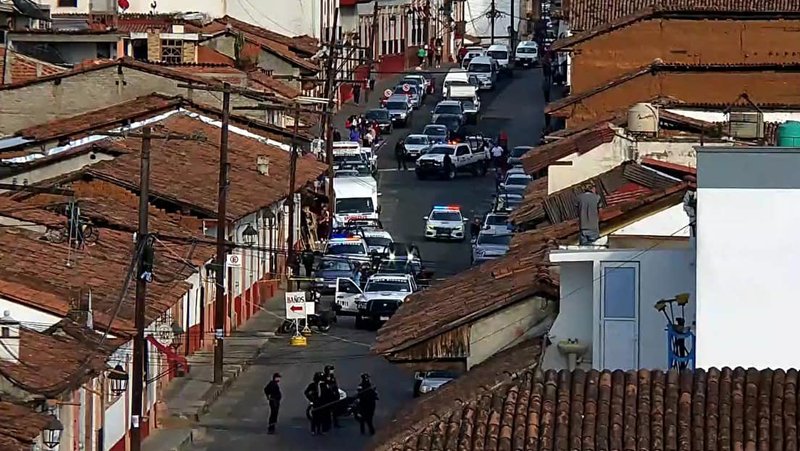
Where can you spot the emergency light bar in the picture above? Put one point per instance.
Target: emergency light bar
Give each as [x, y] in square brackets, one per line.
[447, 208]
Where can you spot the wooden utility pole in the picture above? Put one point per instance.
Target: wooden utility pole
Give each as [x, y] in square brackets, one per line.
[222, 250]
[220, 291]
[328, 119]
[290, 253]
[512, 34]
[493, 12]
[141, 293]
[373, 36]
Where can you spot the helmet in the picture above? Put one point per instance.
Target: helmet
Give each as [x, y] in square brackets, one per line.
[318, 377]
[364, 376]
[328, 369]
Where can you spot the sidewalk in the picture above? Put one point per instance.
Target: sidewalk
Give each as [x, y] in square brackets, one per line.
[189, 397]
[375, 96]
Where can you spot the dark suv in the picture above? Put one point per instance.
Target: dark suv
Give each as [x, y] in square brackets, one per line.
[382, 117]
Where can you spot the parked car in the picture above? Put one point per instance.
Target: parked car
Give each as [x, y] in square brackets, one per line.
[515, 156]
[527, 54]
[453, 107]
[428, 381]
[489, 246]
[413, 92]
[436, 133]
[416, 145]
[382, 117]
[400, 109]
[328, 270]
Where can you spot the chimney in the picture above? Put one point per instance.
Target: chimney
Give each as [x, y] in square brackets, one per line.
[9, 338]
[81, 311]
[262, 164]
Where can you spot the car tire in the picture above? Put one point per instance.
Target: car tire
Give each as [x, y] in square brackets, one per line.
[359, 323]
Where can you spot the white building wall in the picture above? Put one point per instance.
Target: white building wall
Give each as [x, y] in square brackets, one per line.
[670, 222]
[56, 169]
[747, 257]
[662, 274]
[29, 317]
[719, 116]
[506, 328]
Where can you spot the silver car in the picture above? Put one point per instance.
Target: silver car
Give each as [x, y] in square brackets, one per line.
[489, 246]
[436, 133]
[399, 109]
[515, 156]
[428, 381]
[416, 145]
[516, 181]
[496, 223]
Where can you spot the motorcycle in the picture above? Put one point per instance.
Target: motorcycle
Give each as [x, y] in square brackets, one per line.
[346, 406]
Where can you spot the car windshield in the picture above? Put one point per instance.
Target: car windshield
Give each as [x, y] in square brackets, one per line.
[514, 190]
[347, 159]
[450, 122]
[377, 241]
[352, 247]
[440, 375]
[518, 181]
[501, 240]
[481, 68]
[377, 115]
[519, 151]
[410, 81]
[445, 216]
[496, 220]
[435, 130]
[396, 106]
[416, 140]
[526, 50]
[448, 109]
[387, 285]
[346, 173]
[441, 150]
[498, 54]
[334, 265]
[354, 205]
[468, 104]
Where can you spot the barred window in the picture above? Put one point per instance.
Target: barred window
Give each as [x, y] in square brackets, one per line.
[172, 51]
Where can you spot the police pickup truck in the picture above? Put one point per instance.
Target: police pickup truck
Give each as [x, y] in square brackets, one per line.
[462, 159]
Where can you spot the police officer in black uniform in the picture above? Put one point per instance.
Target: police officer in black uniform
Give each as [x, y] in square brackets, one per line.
[400, 154]
[273, 394]
[314, 394]
[333, 386]
[307, 257]
[367, 397]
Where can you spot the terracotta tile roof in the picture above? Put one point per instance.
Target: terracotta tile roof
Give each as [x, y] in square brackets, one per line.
[104, 118]
[107, 205]
[198, 162]
[22, 212]
[207, 55]
[303, 44]
[416, 425]
[619, 185]
[81, 125]
[676, 170]
[23, 68]
[126, 22]
[260, 79]
[50, 364]
[480, 291]
[658, 66]
[584, 15]
[34, 272]
[542, 156]
[673, 9]
[20, 426]
[730, 409]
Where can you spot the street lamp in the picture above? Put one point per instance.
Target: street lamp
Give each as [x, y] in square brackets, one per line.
[211, 270]
[51, 434]
[249, 235]
[118, 379]
[177, 335]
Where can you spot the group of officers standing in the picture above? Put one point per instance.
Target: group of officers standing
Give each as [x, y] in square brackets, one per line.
[326, 404]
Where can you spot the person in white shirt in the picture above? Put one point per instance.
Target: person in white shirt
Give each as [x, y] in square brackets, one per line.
[497, 155]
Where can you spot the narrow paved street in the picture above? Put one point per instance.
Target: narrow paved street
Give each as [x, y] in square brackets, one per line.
[238, 420]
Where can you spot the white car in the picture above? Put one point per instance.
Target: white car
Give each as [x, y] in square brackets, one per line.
[352, 247]
[445, 222]
[350, 299]
[377, 240]
[496, 223]
[527, 54]
[501, 54]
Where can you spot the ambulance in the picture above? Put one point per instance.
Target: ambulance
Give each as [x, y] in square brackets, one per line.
[355, 199]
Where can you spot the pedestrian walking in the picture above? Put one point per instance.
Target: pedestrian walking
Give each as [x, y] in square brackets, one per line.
[400, 154]
[273, 394]
[354, 134]
[421, 54]
[356, 93]
[367, 398]
[497, 154]
[330, 379]
[314, 395]
[371, 84]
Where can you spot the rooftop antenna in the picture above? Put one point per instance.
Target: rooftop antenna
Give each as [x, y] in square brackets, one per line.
[680, 338]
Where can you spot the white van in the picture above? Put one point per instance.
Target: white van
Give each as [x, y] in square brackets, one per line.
[455, 75]
[351, 147]
[527, 54]
[468, 96]
[502, 55]
[485, 70]
[355, 198]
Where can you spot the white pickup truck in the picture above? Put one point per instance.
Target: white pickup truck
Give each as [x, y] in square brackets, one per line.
[462, 159]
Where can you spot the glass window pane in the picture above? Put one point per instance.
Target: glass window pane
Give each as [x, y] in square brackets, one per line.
[619, 292]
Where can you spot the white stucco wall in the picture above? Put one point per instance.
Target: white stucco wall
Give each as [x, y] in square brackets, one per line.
[505, 328]
[55, 169]
[28, 316]
[719, 116]
[670, 222]
[575, 319]
[662, 274]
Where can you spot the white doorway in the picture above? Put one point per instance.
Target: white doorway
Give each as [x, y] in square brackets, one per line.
[619, 316]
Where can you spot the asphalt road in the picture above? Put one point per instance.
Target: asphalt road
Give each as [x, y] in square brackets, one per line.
[238, 420]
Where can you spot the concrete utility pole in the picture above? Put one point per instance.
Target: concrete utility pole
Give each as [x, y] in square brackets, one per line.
[512, 33]
[492, 17]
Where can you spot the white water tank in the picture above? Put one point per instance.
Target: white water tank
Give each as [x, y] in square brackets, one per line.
[643, 118]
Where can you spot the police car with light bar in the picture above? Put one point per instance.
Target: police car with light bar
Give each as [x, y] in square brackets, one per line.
[377, 240]
[445, 222]
[350, 247]
[382, 295]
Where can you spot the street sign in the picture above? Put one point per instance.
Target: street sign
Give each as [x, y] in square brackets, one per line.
[296, 305]
[164, 334]
[234, 261]
[388, 93]
[406, 87]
